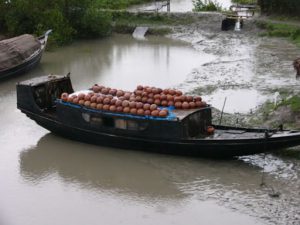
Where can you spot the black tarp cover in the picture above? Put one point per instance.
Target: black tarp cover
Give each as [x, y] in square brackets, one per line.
[15, 51]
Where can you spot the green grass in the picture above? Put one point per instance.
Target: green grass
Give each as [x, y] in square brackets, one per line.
[293, 102]
[281, 30]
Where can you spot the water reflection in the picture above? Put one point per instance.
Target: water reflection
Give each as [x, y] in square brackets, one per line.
[123, 62]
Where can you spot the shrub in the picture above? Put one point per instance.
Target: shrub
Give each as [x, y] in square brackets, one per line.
[206, 5]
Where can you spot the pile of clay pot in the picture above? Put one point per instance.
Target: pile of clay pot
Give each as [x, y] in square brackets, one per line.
[144, 101]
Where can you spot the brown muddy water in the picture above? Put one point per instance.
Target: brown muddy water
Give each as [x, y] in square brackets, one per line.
[45, 179]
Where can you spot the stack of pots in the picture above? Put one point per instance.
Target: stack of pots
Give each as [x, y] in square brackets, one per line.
[143, 101]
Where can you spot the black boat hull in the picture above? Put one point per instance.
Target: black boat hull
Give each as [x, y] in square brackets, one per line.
[211, 148]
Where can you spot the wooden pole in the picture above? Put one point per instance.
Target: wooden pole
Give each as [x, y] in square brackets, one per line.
[168, 6]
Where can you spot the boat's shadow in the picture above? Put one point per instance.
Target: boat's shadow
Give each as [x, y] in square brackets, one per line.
[133, 173]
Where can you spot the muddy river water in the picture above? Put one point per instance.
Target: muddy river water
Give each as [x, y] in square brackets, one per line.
[45, 179]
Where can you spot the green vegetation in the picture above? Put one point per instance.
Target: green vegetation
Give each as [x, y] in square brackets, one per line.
[206, 5]
[69, 19]
[281, 30]
[293, 103]
[244, 1]
[280, 7]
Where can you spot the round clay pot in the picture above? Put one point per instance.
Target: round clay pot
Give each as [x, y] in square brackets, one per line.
[183, 98]
[125, 103]
[133, 111]
[157, 102]
[106, 101]
[166, 91]
[147, 112]
[197, 99]
[144, 99]
[138, 98]
[96, 88]
[154, 113]
[105, 91]
[170, 97]
[163, 113]
[189, 98]
[192, 105]
[119, 109]
[87, 103]
[170, 103]
[155, 91]
[106, 107]
[126, 109]
[139, 105]
[100, 99]
[150, 100]
[153, 107]
[118, 103]
[76, 100]
[177, 99]
[112, 108]
[156, 96]
[140, 87]
[113, 92]
[81, 102]
[120, 93]
[100, 106]
[185, 105]
[198, 104]
[87, 97]
[150, 95]
[164, 103]
[64, 97]
[94, 105]
[210, 130]
[140, 112]
[203, 104]
[146, 106]
[172, 92]
[127, 95]
[163, 97]
[159, 90]
[94, 99]
[70, 99]
[81, 96]
[178, 93]
[139, 92]
[132, 105]
[178, 105]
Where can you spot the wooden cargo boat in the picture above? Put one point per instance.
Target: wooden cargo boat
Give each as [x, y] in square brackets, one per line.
[183, 133]
[20, 54]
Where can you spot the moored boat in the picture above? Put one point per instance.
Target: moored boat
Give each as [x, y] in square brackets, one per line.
[20, 54]
[180, 131]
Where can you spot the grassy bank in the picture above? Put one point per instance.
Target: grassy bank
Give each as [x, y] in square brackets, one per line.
[286, 30]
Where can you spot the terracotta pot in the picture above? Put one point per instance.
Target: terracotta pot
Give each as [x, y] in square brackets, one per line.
[170, 103]
[70, 99]
[192, 105]
[172, 92]
[113, 92]
[154, 113]
[140, 112]
[163, 97]
[87, 103]
[153, 107]
[170, 97]
[94, 105]
[105, 91]
[147, 112]
[144, 99]
[126, 109]
[125, 103]
[157, 102]
[140, 87]
[197, 99]
[106, 101]
[139, 105]
[210, 130]
[119, 109]
[164, 103]
[132, 105]
[96, 88]
[178, 93]
[100, 99]
[76, 100]
[100, 106]
[94, 99]
[81, 102]
[177, 99]
[118, 103]
[178, 105]
[185, 105]
[81, 96]
[64, 97]
[133, 111]
[146, 106]
[120, 93]
[163, 113]
[112, 108]
[138, 98]
[106, 107]
[198, 104]
[189, 98]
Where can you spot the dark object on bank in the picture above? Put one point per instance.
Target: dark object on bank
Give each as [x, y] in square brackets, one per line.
[296, 65]
[20, 54]
[183, 132]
